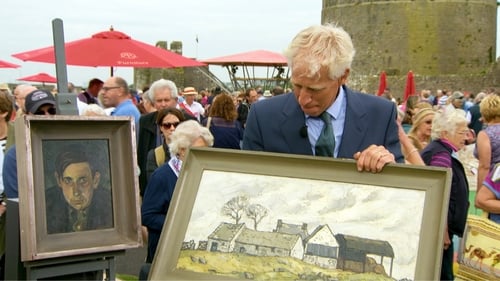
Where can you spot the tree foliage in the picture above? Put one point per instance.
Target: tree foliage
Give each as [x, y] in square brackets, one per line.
[235, 208]
[256, 213]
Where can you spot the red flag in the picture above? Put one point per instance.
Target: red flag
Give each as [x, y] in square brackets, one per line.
[383, 83]
[410, 85]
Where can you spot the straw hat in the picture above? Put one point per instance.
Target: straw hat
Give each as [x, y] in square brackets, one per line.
[189, 91]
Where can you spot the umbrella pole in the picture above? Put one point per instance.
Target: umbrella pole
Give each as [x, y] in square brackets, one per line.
[111, 71]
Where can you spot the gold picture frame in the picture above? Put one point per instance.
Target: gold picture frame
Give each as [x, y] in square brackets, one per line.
[111, 143]
[239, 215]
[479, 251]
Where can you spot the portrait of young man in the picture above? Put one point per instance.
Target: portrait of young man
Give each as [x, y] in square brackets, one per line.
[77, 201]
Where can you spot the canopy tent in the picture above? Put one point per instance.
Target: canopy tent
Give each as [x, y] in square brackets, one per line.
[273, 64]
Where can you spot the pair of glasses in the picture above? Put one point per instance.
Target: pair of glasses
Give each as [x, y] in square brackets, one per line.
[50, 111]
[168, 125]
[428, 122]
[105, 89]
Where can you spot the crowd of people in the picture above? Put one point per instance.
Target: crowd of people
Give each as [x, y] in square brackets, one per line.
[321, 115]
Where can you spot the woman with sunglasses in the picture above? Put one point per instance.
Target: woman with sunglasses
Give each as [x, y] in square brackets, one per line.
[168, 119]
[160, 189]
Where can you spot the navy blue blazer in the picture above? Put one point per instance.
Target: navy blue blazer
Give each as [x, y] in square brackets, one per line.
[275, 124]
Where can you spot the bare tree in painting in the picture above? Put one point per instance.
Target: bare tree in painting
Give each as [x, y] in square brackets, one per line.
[235, 207]
[256, 213]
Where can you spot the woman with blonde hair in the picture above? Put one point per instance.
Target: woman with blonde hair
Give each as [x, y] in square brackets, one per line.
[487, 149]
[420, 131]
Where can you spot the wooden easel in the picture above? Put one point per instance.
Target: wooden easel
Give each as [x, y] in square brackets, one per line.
[15, 269]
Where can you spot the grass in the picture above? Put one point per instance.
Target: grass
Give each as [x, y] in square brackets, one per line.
[126, 277]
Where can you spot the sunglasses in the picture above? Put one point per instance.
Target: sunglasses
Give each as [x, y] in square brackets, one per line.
[168, 125]
[428, 122]
[50, 111]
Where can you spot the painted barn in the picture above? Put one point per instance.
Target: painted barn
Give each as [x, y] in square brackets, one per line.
[322, 248]
[354, 254]
[223, 237]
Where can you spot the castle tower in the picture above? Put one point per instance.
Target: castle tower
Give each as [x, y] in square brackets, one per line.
[436, 39]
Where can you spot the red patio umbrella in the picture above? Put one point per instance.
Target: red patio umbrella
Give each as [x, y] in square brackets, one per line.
[39, 77]
[4, 64]
[383, 83]
[111, 48]
[410, 85]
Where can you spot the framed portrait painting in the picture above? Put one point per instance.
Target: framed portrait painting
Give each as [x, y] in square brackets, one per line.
[77, 185]
[239, 215]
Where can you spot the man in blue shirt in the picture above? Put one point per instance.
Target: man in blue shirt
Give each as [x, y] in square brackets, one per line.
[115, 94]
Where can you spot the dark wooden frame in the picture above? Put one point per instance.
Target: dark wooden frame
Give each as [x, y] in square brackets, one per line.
[31, 131]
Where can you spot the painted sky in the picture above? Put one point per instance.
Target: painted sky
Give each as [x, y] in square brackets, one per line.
[366, 211]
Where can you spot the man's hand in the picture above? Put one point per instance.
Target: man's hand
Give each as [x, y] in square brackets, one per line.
[373, 159]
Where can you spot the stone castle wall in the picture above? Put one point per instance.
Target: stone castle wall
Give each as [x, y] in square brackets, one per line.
[182, 77]
[447, 44]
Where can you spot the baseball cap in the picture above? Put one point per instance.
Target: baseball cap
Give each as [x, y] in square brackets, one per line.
[37, 98]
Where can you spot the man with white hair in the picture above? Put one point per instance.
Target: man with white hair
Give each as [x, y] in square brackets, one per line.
[163, 93]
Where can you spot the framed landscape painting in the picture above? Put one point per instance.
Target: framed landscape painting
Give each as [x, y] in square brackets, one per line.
[78, 189]
[239, 215]
[479, 251]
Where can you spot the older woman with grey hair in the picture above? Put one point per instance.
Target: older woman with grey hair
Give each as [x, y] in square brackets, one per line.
[449, 133]
[160, 188]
